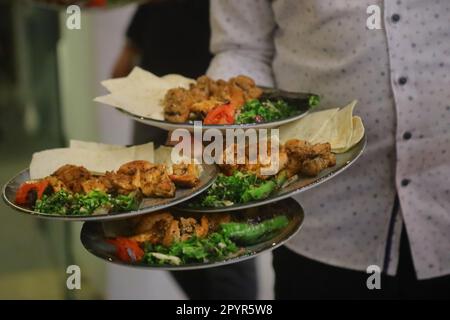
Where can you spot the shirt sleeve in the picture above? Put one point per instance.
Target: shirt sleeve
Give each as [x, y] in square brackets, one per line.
[242, 40]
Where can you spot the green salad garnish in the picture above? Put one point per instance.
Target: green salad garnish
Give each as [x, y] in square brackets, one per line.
[313, 101]
[218, 245]
[256, 111]
[94, 202]
[240, 187]
[214, 246]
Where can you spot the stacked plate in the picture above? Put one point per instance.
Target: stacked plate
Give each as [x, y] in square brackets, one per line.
[100, 231]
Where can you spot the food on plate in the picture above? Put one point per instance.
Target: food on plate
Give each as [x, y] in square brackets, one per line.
[257, 111]
[141, 92]
[338, 127]
[94, 157]
[206, 95]
[307, 159]
[180, 238]
[242, 183]
[185, 174]
[260, 166]
[239, 187]
[73, 190]
[215, 102]
[92, 203]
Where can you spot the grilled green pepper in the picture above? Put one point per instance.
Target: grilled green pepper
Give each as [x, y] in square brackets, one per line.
[245, 233]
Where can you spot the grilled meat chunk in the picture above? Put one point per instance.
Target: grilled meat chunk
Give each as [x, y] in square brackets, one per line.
[72, 177]
[185, 175]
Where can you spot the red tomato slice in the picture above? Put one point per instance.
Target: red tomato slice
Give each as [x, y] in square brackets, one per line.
[25, 188]
[127, 250]
[223, 114]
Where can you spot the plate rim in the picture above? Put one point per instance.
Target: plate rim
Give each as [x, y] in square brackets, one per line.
[165, 125]
[105, 217]
[269, 200]
[168, 126]
[198, 266]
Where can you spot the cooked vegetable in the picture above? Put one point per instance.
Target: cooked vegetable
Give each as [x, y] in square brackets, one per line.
[127, 250]
[214, 246]
[256, 111]
[94, 202]
[220, 115]
[245, 233]
[28, 193]
[260, 192]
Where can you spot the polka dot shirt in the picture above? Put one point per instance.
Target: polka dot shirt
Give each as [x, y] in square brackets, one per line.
[400, 74]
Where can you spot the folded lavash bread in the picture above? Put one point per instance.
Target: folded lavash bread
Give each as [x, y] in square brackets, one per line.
[336, 126]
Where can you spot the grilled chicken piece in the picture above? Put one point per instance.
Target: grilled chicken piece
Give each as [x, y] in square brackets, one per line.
[263, 162]
[202, 229]
[303, 150]
[190, 227]
[156, 182]
[101, 183]
[206, 94]
[205, 106]
[185, 175]
[163, 228]
[153, 227]
[177, 104]
[72, 177]
[130, 168]
[172, 233]
[151, 179]
[147, 222]
[187, 228]
[55, 183]
[308, 159]
[124, 184]
[314, 166]
[247, 86]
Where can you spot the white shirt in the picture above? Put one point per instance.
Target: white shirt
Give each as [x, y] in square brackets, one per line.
[325, 47]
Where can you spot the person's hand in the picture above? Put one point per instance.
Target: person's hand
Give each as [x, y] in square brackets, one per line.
[125, 61]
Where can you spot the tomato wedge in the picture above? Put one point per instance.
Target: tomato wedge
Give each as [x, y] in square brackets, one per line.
[223, 114]
[127, 250]
[22, 194]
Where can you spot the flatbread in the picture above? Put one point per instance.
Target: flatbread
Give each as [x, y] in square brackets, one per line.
[338, 130]
[164, 155]
[307, 128]
[46, 162]
[336, 126]
[141, 92]
[357, 135]
[93, 145]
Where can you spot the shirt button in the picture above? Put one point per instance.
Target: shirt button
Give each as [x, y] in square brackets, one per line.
[405, 182]
[395, 17]
[402, 81]
[407, 135]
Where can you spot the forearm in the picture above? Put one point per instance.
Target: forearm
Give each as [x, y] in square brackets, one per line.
[242, 40]
[126, 60]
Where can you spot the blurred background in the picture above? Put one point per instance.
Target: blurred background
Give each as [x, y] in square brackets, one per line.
[49, 76]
